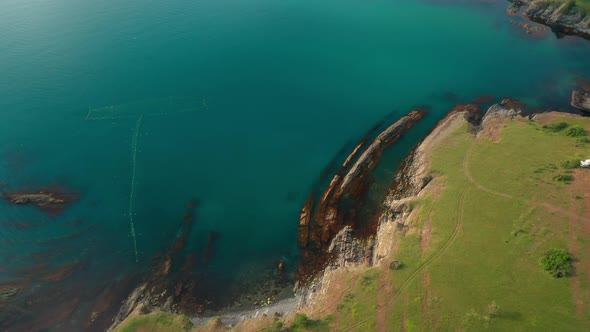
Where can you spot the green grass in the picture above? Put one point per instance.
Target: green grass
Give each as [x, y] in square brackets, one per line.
[494, 258]
[156, 322]
[573, 6]
[302, 323]
[359, 303]
[483, 258]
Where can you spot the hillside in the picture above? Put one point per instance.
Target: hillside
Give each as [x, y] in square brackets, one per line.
[471, 242]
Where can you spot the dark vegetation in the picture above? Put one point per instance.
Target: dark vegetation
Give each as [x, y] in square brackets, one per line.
[302, 323]
[565, 178]
[557, 262]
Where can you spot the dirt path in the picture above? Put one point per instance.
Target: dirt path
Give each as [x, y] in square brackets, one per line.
[573, 249]
[425, 296]
[384, 288]
[579, 205]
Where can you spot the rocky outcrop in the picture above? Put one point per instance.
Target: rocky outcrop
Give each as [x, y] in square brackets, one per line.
[348, 251]
[581, 100]
[507, 108]
[170, 286]
[51, 201]
[562, 17]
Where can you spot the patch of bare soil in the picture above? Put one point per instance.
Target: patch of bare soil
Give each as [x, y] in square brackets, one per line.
[404, 314]
[384, 291]
[426, 233]
[573, 249]
[336, 284]
[491, 128]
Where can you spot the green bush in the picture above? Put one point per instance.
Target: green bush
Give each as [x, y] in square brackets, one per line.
[556, 126]
[302, 323]
[576, 131]
[565, 178]
[570, 164]
[569, 7]
[558, 262]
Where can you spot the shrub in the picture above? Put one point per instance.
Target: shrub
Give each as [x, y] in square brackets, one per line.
[570, 164]
[569, 7]
[396, 265]
[558, 262]
[584, 140]
[565, 178]
[277, 326]
[556, 126]
[302, 323]
[576, 131]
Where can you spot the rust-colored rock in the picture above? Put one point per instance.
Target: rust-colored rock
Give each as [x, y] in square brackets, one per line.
[59, 273]
[31, 270]
[48, 200]
[10, 289]
[208, 251]
[483, 100]
[343, 197]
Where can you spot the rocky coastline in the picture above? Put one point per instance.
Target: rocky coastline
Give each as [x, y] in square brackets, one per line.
[559, 16]
[347, 251]
[328, 225]
[332, 237]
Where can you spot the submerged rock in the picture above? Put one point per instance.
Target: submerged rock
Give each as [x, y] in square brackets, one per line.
[7, 292]
[52, 202]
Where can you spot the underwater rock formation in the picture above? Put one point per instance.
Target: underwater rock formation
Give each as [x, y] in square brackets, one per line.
[483, 100]
[47, 200]
[170, 286]
[60, 273]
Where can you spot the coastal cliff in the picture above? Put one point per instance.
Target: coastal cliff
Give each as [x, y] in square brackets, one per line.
[563, 17]
[347, 252]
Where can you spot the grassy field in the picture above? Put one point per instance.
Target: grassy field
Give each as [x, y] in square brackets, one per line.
[155, 322]
[493, 210]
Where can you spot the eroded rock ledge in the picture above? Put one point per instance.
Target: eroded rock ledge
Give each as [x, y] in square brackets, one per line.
[557, 15]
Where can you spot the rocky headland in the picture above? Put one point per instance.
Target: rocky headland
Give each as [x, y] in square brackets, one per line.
[562, 17]
[346, 250]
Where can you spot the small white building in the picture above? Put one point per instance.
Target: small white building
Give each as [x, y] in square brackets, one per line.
[585, 163]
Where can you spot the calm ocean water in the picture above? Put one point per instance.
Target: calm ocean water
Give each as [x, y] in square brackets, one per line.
[242, 104]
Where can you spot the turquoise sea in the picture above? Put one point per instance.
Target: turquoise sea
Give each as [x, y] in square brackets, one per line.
[141, 106]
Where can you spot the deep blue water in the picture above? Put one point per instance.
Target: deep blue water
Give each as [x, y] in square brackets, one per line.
[243, 103]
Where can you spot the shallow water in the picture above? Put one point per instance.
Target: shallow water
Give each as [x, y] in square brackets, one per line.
[243, 103]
